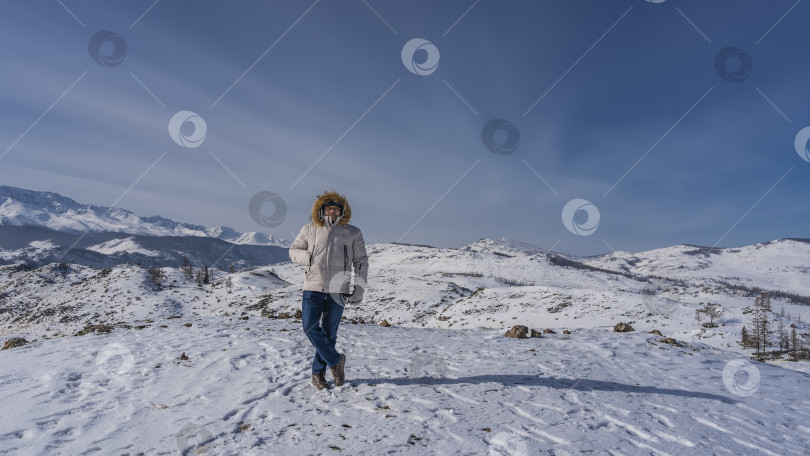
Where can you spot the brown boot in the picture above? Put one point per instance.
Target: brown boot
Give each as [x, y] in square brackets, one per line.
[337, 371]
[319, 380]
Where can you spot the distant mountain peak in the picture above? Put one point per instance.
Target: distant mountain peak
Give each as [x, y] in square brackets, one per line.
[504, 246]
[22, 207]
[56, 201]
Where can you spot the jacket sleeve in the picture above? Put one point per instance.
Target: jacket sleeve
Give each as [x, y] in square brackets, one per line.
[299, 252]
[360, 258]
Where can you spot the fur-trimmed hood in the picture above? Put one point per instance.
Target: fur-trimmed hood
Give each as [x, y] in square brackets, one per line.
[333, 197]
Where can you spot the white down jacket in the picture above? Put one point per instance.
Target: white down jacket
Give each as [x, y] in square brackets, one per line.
[331, 254]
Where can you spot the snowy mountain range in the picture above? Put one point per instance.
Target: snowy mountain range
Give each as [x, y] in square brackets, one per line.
[37, 228]
[20, 207]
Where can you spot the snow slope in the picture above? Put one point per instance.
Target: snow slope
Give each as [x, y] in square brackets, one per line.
[777, 265]
[128, 245]
[244, 390]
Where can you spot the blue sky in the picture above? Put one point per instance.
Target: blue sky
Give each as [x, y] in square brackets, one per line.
[619, 103]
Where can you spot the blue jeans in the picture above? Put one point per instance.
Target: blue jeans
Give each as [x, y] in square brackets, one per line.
[323, 336]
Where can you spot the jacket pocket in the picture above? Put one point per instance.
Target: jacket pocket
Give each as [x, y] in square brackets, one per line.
[345, 258]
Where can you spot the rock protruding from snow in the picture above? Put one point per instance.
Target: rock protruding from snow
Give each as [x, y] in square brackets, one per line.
[14, 342]
[623, 327]
[518, 332]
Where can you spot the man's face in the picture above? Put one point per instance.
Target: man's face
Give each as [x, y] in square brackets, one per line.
[332, 212]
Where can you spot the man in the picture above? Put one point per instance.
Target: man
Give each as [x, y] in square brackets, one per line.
[330, 249]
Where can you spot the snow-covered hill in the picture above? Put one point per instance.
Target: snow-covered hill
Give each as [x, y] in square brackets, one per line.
[782, 265]
[491, 284]
[20, 207]
[422, 386]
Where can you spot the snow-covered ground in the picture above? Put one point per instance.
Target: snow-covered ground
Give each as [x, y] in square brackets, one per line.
[442, 380]
[244, 390]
